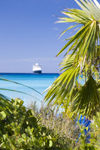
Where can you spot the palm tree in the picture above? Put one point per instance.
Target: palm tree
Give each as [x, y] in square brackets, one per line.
[81, 62]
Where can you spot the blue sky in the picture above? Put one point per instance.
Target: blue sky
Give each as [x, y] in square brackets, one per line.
[28, 34]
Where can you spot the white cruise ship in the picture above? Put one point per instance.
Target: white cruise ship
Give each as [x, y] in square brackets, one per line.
[37, 68]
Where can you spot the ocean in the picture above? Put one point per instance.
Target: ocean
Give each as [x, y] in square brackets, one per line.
[40, 82]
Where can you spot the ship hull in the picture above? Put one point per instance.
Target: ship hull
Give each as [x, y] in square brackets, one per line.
[37, 72]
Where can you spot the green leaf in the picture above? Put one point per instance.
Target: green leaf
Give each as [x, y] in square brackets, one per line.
[2, 115]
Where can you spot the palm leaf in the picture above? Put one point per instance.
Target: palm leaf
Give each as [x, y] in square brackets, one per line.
[17, 91]
[84, 59]
[3, 79]
[66, 82]
[5, 89]
[87, 100]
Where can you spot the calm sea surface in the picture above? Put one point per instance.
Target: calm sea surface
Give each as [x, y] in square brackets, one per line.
[39, 82]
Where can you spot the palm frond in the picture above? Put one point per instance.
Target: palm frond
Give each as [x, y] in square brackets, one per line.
[3, 79]
[87, 37]
[87, 100]
[82, 57]
[66, 82]
[17, 91]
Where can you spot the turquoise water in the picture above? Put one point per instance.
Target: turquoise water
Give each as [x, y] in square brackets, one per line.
[39, 82]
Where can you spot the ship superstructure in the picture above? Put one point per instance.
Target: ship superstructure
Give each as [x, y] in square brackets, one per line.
[37, 68]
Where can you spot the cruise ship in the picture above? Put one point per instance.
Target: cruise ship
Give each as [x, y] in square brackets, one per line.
[37, 69]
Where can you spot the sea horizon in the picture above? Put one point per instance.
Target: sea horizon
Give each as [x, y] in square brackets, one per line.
[28, 73]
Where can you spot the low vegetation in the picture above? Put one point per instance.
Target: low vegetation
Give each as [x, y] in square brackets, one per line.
[28, 129]
[21, 129]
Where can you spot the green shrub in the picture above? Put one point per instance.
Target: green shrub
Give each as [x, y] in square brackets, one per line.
[25, 129]
[20, 130]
